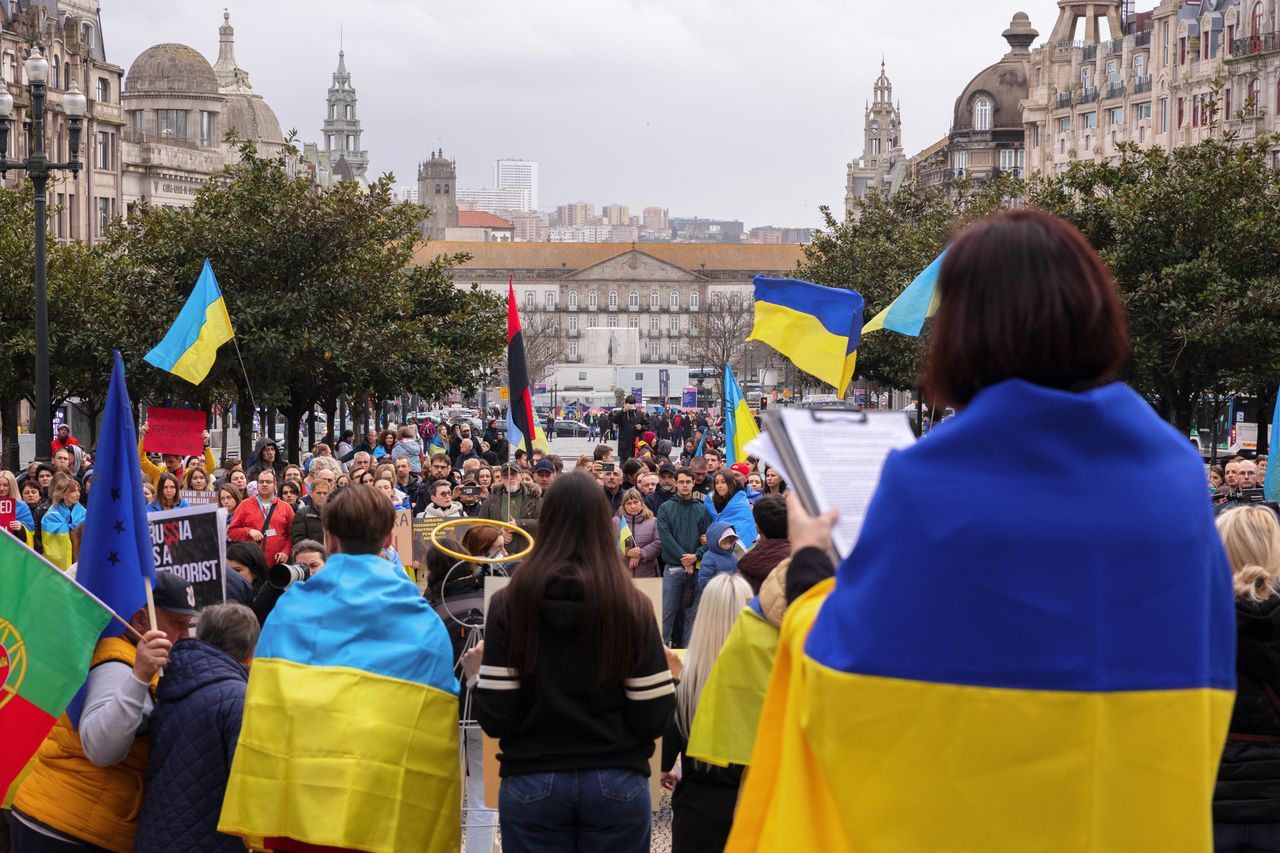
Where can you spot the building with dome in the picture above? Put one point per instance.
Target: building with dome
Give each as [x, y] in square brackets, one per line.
[881, 168]
[178, 110]
[70, 35]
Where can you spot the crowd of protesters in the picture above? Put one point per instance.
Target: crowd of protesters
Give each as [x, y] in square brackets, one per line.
[576, 675]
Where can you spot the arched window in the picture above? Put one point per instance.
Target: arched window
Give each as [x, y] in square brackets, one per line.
[1255, 96]
[591, 300]
[654, 301]
[573, 299]
[437, 189]
[86, 36]
[675, 300]
[348, 111]
[446, 189]
[56, 77]
[613, 299]
[982, 114]
[1255, 23]
[104, 90]
[633, 299]
[693, 301]
[528, 299]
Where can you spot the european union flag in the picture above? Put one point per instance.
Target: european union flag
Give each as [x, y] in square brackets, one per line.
[116, 560]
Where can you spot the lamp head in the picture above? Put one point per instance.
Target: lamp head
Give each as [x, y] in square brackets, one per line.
[37, 67]
[73, 102]
[6, 102]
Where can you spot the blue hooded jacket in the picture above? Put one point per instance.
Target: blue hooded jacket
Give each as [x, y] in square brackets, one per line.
[737, 512]
[193, 732]
[716, 560]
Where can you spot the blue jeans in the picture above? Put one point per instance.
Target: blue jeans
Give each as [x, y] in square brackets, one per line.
[672, 590]
[568, 811]
[1246, 837]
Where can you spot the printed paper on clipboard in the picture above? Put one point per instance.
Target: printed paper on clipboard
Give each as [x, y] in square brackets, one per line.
[832, 458]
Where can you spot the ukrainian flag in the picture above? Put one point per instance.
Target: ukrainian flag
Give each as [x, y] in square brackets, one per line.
[817, 327]
[350, 732]
[1002, 664]
[739, 422]
[189, 348]
[906, 314]
[724, 726]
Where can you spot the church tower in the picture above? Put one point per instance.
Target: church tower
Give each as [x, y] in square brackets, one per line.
[438, 190]
[342, 127]
[881, 147]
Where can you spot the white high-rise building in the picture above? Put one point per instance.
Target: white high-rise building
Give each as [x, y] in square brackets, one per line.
[520, 175]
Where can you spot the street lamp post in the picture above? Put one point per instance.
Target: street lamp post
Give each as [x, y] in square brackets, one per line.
[39, 168]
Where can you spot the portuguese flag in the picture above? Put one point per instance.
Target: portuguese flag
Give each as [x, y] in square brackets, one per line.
[48, 629]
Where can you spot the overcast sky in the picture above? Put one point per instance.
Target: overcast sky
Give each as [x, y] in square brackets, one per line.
[733, 109]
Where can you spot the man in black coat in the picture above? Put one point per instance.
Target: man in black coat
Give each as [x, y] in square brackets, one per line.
[629, 423]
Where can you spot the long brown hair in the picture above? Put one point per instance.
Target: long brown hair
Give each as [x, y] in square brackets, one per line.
[576, 542]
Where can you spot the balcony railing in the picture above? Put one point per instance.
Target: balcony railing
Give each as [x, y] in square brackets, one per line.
[163, 137]
[1115, 47]
[1115, 90]
[633, 308]
[574, 333]
[1063, 100]
[1090, 52]
[1250, 45]
[1142, 39]
[1142, 84]
[571, 307]
[1089, 95]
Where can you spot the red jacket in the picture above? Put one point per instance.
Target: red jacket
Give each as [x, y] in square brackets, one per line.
[249, 516]
[57, 444]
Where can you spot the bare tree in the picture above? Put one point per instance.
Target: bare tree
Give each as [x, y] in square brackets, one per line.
[542, 346]
[720, 337]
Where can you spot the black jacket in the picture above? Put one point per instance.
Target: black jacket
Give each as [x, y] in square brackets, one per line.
[1248, 789]
[630, 425]
[194, 729]
[557, 718]
[306, 524]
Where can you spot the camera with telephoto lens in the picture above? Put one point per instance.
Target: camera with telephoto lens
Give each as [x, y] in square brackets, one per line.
[285, 575]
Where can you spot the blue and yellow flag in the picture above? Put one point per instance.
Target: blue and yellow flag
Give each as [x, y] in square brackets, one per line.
[994, 679]
[350, 732]
[906, 314]
[817, 327]
[1271, 483]
[739, 421]
[191, 344]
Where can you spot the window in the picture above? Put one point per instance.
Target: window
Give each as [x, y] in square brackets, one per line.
[206, 128]
[693, 301]
[172, 123]
[1182, 51]
[1064, 124]
[1231, 36]
[591, 300]
[86, 36]
[550, 300]
[982, 114]
[351, 142]
[1035, 136]
[960, 162]
[653, 323]
[1143, 111]
[1086, 76]
[446, 189]
[1011, 159]
[1140, 66]
[104, 216]
[674, 325]
[104, 90]
[71, 216]
[693, 326]
[654, 301]
[633, 322]
[1088, 120]
[333, 108]
[639, 376]
[875, 146]
[613, 299]
[528, 299]
[348, 112]
[573, 322]
[437, 189]
[613, 322]
[1117, 115]
[1112, 77]
[633, 299]
[1181, 111]
[573, 299]
[1255, 21]
[54, 76]
[1255, 96]
[103, 160]
[573, 351]
[582, 374]
[675, 300]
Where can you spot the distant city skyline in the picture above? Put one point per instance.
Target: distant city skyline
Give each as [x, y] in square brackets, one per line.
[748, 111]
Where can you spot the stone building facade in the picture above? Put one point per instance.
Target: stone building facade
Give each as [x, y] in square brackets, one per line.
[663, 290]
[438, 192]
[70, 35]
[881, 167]
[1168, 77]
[342, 127]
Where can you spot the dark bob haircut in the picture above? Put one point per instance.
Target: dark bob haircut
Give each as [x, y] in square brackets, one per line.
[1023, 296]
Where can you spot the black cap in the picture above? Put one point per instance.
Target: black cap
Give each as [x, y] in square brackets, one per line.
[667, 468]
[174, 594]
[545, 465]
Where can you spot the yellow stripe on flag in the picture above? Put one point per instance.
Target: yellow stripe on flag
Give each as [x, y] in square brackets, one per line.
[724, 726]
[803, 339]
[194, 364]
[389, 743]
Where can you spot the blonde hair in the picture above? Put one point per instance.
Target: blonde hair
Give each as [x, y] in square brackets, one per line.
[1251, 535]
[61, 486]
[15, 493]
[722, 602]
[634, 495]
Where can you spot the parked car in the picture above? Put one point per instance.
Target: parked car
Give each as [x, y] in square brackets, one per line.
[569, 429]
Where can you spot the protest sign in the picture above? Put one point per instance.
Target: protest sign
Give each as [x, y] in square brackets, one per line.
[192, 543]
[174, 431]
[8, 513]
[689, 398]
[196, 498]
[402, 535]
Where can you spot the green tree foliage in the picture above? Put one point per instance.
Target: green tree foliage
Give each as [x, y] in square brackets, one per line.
[878, 254]
[1193, 239]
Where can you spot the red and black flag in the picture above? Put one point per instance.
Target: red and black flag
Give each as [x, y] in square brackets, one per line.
[520, 422]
